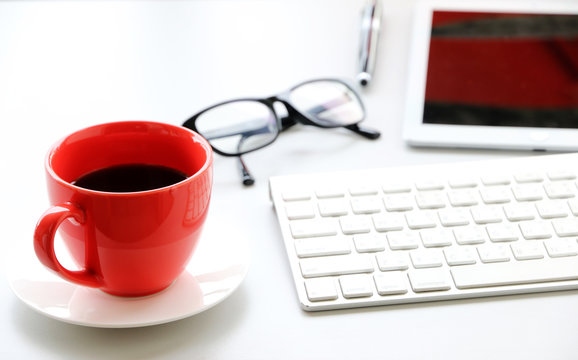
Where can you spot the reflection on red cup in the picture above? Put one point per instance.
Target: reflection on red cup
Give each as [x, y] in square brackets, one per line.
[126, 243]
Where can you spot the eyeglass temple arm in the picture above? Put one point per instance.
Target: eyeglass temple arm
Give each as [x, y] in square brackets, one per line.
[367, 133]
[246, 176]
[289, 121]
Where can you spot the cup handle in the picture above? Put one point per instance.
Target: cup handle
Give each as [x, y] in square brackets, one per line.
[44, 244]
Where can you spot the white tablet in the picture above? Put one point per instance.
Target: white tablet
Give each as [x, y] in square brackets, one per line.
[494, 75]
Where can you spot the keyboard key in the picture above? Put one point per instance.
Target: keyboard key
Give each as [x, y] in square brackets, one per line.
[429, 184]
[496, 195]
[436, 237]
[320, 289]
[430, 200]
[565, 227]
[454, 217]
[363, 189]
[299, 210]
[561, 247]
[487, 214]
[369, 242]
[421, 219]
[518, 212]
[573, 204]
[494, 253]
[388, 222]
[329, 191]
[396, 187]
[560, 190]
[536, 230]
[470, 235]
[313, 227]
[503, 232]
[528, 177]
[529, 192]
[322, 246]
[397, 260]
[354, 286]
[527, 250]
[426, 258]
[460, 255]
[463, 197]
[561, 175]
[403, 240]
[495, 179]
[356, 224]
[463, 182]
[514, 273]
[390, 283]
[429, 280]
[398, 202]
[333, 207]
[335, 265]
[296, 194]
[552, 209]
[366, 205]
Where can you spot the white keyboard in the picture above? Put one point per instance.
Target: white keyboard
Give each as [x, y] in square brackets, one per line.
[433, 232]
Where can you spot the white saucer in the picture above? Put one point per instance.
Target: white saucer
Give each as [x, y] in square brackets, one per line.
[217, 268]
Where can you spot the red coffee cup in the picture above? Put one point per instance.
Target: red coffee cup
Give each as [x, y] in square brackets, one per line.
[125, 243]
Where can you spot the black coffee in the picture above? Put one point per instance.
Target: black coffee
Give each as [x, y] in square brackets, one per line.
[130, 178]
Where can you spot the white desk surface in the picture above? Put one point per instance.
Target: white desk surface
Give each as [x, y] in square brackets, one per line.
[68, 64]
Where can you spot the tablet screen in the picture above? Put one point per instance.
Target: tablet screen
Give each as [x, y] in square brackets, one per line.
[502, 69]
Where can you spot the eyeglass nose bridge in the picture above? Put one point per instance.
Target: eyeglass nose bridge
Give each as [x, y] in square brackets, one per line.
[293, 116]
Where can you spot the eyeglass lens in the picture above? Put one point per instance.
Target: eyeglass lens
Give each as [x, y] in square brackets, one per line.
[327, 103]
[238, 126]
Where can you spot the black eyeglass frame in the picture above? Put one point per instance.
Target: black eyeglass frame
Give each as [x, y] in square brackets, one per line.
[292, 118]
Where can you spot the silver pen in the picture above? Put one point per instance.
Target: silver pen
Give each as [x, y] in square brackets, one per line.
[370, 25]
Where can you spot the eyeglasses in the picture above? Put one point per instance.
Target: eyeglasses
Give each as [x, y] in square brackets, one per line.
[237, 127]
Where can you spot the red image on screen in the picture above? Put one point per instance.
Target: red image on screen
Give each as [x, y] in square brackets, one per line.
[499, 69]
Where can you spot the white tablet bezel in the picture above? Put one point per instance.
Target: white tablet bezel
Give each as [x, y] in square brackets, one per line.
[417, 133]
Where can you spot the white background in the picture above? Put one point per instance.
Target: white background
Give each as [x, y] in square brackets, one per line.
[65, 65]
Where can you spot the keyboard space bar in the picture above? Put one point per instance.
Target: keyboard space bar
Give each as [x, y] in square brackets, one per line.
[515, 273]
